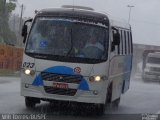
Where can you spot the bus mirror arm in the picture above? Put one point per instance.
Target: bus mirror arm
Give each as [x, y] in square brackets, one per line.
[24, 30]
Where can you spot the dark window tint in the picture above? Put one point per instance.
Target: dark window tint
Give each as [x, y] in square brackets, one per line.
[125, 39]
[131, 42]
[122, 42]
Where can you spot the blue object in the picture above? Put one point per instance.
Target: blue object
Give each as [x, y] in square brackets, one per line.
[83, 85]
[38, 81]
[61, 70]
[43, 43]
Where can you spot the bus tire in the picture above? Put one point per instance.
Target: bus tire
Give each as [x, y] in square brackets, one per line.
[109, 95]
[31, 102]
[101, 109]
[115, 103]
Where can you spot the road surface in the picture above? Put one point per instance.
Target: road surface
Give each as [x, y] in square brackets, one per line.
[141, 98]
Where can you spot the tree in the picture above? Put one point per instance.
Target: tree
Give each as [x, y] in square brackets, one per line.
[7, 36]
[10, 7]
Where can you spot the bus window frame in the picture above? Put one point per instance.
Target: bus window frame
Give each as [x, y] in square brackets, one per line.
[63, 58]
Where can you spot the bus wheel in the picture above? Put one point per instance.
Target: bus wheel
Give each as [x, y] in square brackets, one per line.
[109, 96]
[115, 103]
[101, 109]
[31, 102]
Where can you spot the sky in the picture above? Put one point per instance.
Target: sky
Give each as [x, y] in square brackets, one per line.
[145, 18]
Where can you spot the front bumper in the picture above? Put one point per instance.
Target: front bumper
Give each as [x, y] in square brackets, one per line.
[80, 96]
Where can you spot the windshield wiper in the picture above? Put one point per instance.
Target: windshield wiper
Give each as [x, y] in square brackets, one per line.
[71, 44]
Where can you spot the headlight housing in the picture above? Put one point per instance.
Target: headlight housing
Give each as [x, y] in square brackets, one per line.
[29, 72]
[97, 78]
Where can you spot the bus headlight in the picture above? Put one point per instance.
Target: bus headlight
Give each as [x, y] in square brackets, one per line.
[97, 78]
[29, 72]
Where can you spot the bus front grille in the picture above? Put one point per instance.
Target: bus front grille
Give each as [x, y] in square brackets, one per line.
[46, 76]
[59, 91]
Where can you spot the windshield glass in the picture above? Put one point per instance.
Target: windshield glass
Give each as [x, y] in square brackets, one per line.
[153, 60]
[68, 38]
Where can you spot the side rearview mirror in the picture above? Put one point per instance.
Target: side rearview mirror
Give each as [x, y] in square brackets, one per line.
[25, 29]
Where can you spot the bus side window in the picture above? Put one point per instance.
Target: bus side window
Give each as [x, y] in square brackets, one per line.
[129, 43]
[121, 46]
[125, 39]
[116, 38]
[121, 42]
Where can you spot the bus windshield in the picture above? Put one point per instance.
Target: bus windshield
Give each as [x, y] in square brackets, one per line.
[68, 40]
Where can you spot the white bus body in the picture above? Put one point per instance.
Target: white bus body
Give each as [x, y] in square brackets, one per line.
[77, 78]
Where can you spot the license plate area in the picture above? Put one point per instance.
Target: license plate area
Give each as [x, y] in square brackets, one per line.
[60, 85]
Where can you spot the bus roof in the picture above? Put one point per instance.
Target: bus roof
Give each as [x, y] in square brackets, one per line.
[77, 7]
[63, 11]
[119, 24]
[83, 11]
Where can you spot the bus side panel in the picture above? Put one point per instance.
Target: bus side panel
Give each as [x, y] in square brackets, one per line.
[28, 63]
[119, 74]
